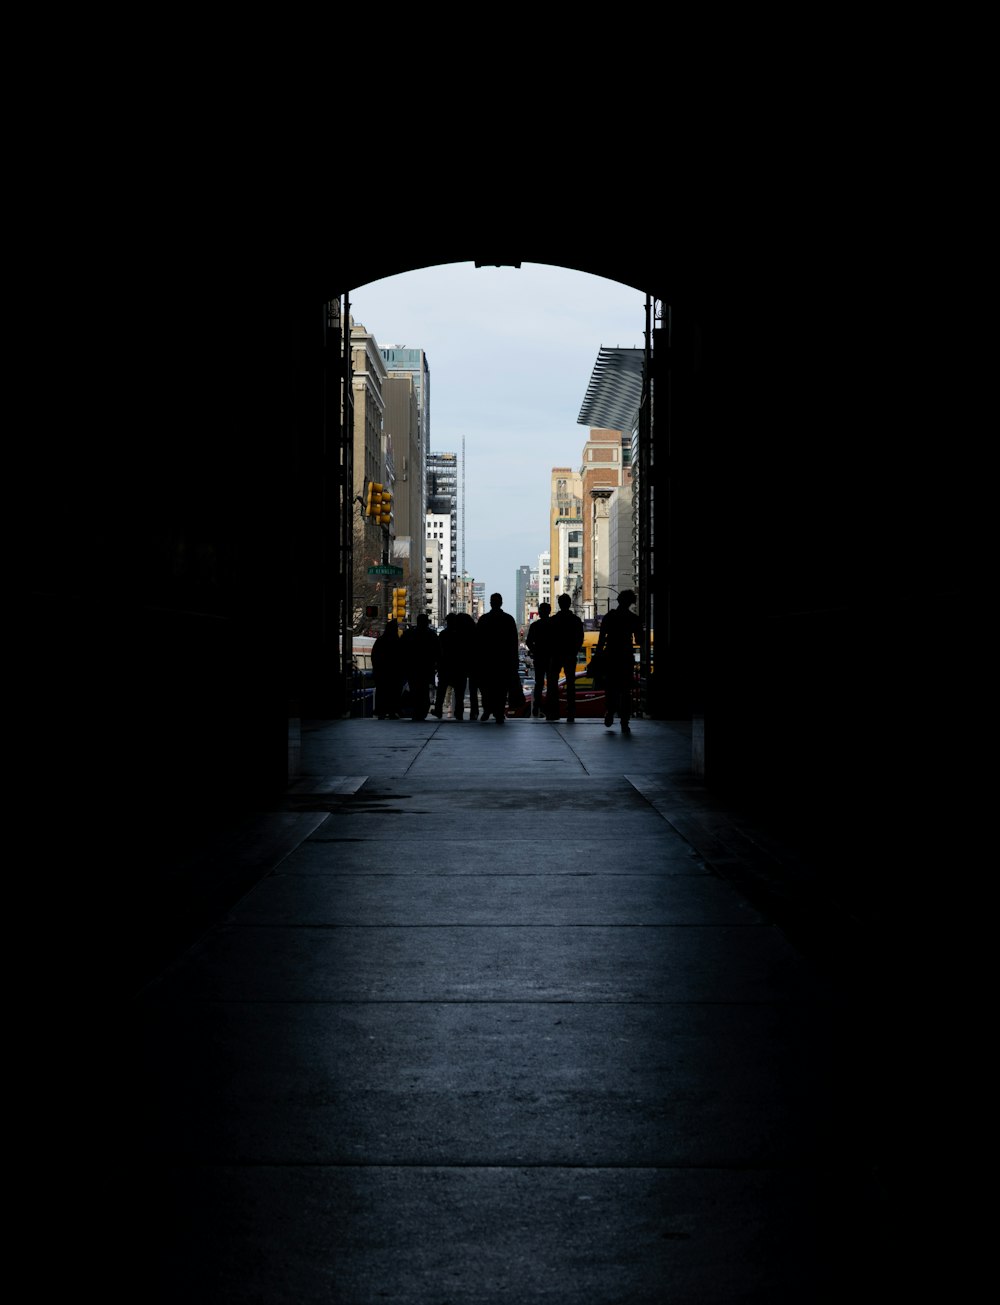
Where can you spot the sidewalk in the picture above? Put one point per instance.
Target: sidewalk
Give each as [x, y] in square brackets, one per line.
[502, 1014]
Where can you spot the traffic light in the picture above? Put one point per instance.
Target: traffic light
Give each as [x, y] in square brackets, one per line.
[385, 510]
[399, 604]
[373, 503]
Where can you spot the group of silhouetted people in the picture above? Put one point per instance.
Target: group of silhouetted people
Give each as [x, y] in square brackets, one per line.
[555, 641]
[407, 660]
[457, 666]
[481, 658]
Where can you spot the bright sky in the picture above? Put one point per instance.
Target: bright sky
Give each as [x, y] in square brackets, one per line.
[511, 352]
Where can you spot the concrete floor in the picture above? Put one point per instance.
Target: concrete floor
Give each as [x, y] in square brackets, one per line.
[487, 1014]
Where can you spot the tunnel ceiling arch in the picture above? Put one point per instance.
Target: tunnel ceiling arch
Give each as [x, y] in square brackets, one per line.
[364, 267]
[664, 262]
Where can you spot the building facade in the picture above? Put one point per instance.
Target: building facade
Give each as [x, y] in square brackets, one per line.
[442, 501]
[439, 531]
[466, 596]
[531, 602]
[606, 466]
[402, 426]
[522, 588]
[622, 568]
[544, 578]
[435, 595]
[566, 537]
[372, 457]
[402, 363]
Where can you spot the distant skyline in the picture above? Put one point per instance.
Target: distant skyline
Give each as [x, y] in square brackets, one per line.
[510, 352]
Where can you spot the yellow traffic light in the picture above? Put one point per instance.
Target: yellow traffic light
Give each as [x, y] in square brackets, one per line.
[385, 513]
[373, 503]
[399, 604]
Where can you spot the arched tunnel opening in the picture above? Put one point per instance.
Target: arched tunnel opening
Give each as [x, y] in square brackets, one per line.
[237, 596]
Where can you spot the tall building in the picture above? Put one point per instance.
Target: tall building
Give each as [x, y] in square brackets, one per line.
[612, 404]
[566, 536]
[531, 602]
[606, 467]
[402, 427]
[435, 594]
[442, 501]
[522, 586]
[440, 534]
[622, 559]
[466, 596]
[544, 578]
[373, 458]
[402, 362]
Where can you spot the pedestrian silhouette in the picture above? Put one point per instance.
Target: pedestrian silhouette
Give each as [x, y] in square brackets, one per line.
[496, 658]
[387, 668]
[420, 655]
[565, 641]
[538, 648]
[465, 627]
[620, 631]
[453, 664]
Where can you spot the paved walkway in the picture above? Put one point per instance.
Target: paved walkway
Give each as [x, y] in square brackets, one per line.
[491, 1014]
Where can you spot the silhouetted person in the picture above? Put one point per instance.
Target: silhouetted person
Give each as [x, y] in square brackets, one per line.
[496, 658]
[420, 655]
[620, 631]
[465, 627]
[453, 664]
[538, 647]
[387, 668]
[565, 641]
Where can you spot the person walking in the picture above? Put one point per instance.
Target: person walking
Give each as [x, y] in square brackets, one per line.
[621, 630]
[538, 648]
[496, 658]
[387, 668]
[420, 657]
[565, 641]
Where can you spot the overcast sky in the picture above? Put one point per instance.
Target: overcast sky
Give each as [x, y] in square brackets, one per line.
[511, 352]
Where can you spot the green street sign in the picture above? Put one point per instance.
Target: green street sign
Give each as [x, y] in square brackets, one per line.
[385, 570]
